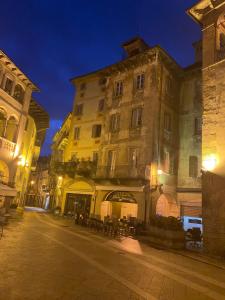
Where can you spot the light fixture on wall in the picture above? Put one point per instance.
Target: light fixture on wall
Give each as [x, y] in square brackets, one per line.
[209, 163]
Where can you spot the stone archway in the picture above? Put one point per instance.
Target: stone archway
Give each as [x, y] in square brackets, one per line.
[166, 206]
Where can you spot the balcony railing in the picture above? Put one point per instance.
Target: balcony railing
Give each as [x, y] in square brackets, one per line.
[72, 168]
[7, 145]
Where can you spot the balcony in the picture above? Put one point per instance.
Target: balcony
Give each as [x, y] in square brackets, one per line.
[71, 168]
[7, 148]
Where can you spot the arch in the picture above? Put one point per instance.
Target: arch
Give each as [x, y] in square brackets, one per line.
[8, 84]
[166, 206]
[19, 93]
[4, 172]
[3, 118]
[11, 129]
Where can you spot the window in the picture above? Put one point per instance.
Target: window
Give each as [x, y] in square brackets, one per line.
[136, 118]
[193, 166]
[166, 161]
[111, 162]
[169, 85]
[167, 122]
[83, 86]
[95, 158]
[114, 122]
[78, 111]
[133, 158]
[198, 126]
[101, 105]
[102, 81]
[118, 88]
[19, 93]
[26, 125]
[96, 130]
[3, 119]
[140, 80]
[8, 86]
[76, 133]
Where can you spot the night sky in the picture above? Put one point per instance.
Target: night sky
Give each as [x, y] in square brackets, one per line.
[53, 41]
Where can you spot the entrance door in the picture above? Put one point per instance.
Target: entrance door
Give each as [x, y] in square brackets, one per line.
[78, 202]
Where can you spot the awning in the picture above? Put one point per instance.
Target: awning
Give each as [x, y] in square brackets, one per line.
[6, 190]
[119, 196]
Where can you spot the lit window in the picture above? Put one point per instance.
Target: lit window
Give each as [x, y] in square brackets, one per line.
[136, 118]
[140, 80]
[133, 158]
[111, 163]
[118, 88]
[78, 111]
[76, 133]
[114, 122]
[101, 105]
[193, 166]
[96, 130]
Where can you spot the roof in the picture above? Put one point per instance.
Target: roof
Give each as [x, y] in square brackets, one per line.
[41, 118]
[9, 63]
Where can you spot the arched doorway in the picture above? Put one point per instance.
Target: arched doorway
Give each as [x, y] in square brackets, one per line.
[119, 204]
[166, 206]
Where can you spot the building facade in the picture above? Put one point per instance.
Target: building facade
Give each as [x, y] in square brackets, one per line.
[18, 131]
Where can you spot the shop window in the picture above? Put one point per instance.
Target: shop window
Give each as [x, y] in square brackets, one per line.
[8, 86]
[78, 111]
[19, 93]
[96, 130]
[136, 118]
[114, 123]
[139, 82]
[193, 166]
[76, 133]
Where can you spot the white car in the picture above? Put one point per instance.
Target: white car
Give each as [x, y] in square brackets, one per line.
[191, 222]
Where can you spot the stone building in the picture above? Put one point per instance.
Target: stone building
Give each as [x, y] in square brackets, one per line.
[18, 131]
[210, 15]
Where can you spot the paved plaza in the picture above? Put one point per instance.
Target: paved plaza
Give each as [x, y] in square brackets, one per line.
[42, 257]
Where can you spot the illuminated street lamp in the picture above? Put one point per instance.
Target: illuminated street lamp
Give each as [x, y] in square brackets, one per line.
[209, 163]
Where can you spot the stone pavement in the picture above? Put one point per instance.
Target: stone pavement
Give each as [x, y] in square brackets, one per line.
[42, 257]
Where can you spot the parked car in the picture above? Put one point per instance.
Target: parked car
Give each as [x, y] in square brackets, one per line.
[191, 222]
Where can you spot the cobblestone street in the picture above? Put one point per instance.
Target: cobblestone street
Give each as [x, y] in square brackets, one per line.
[42, 257]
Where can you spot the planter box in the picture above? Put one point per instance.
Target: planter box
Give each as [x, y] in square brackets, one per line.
[166, 238]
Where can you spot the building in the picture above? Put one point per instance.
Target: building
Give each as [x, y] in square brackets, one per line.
[18, 131]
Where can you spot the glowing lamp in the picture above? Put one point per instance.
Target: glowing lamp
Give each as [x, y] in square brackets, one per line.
[209, 163]
[159, 172]
[32, 182]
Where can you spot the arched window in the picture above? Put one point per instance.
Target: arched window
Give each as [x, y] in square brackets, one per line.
[8, 85]
[11, 129]
[19, 93]
[2, 122]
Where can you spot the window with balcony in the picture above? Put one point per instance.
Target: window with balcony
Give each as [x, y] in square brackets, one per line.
[19, 93]
[193, 166]
[8, 86]
[114, 123]
[76, 133]
[96, 130]
[3, 119]
[197, 126]
[78, 111]
[118, 89]
[140, 81]
[101, 105]
[136, 117]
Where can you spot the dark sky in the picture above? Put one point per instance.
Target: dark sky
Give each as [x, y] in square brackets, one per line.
[52, 40]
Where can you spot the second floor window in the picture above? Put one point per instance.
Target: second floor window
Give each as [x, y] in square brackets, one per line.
[114, 122]
[95, 158]
[140, 80]
[133, 159]
[96, 130]
[78, 111]
[76, 133]
[198, 126]
[167, 122]
[111, 164]
[118, 88]
[8, 86]
[101, 105]
[193, 166]
[136, 117]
